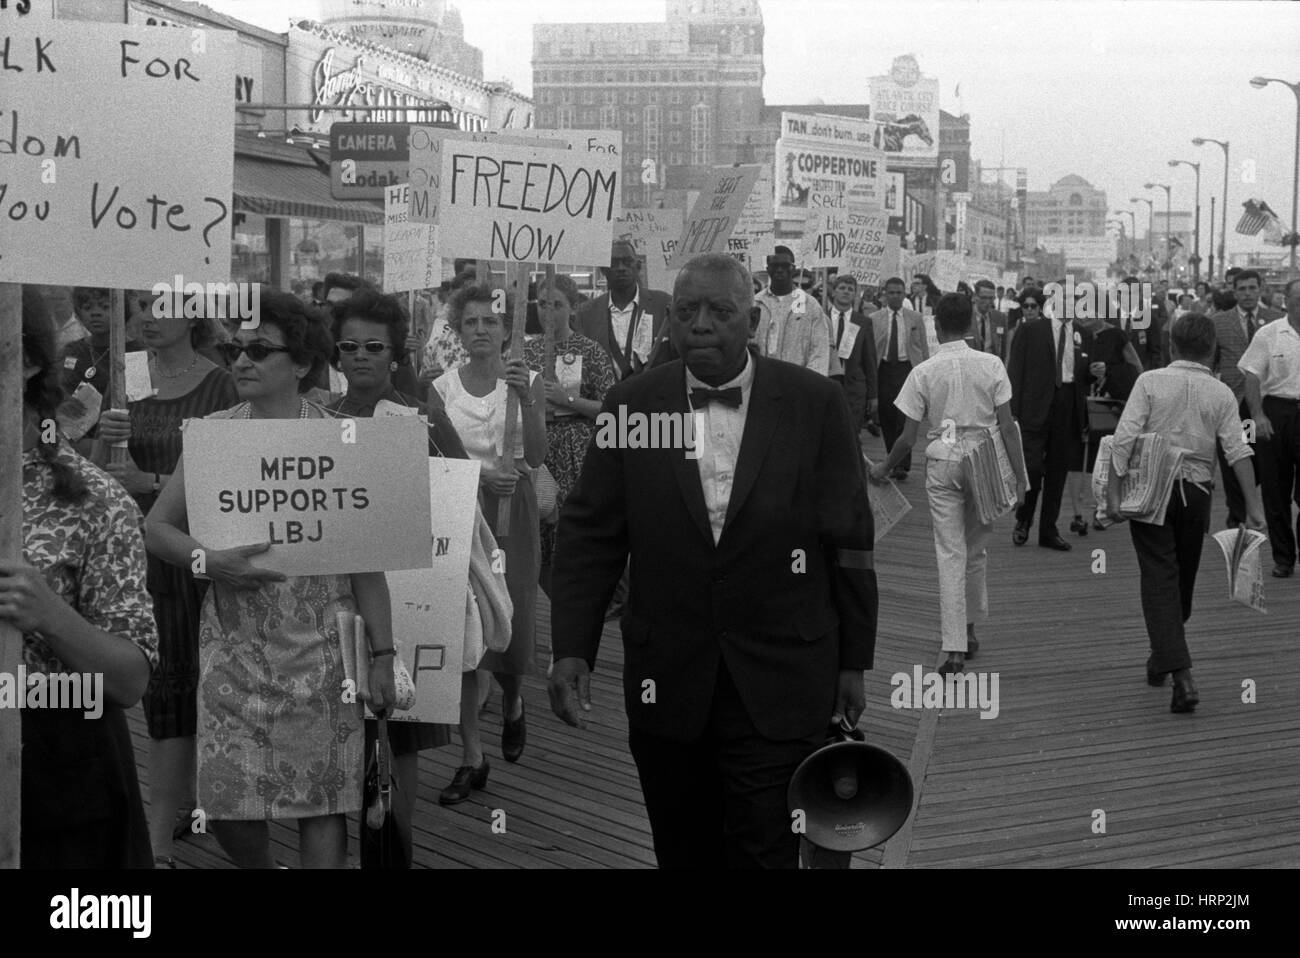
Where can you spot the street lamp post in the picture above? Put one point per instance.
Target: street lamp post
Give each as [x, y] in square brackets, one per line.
[1196, 242]
[1151, 221]
[1259, 83]
[1223, 238]
[1169, 192]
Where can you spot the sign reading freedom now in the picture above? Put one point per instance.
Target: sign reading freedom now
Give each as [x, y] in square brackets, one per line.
[527, 205]
[116, 153]
[331, 496]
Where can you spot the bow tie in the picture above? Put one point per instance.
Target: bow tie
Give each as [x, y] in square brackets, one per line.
[728, 397]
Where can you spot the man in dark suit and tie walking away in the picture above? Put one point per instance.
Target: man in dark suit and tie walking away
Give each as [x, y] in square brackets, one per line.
[752, 609]
[1050, 374]
[627, 320]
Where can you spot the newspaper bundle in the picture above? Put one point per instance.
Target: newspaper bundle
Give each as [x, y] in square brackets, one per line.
[1241, 549]
[1153, 465]
[888, 504]
[987, 470]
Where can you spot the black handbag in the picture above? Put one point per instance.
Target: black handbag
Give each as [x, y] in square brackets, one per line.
[381, 839]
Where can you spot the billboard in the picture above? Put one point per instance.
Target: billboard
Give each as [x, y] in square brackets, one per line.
[906, 105]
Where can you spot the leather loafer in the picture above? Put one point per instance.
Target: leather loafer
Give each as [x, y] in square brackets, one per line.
[1055, 542]
[1283, 571]
[1186, 697]
[514, 734]
[1021, 534]
[972, 646]
[466, 779]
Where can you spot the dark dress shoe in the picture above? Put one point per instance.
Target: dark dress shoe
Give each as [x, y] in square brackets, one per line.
[513, 734]
[1021, 534]
[1283, 571]
[466, 779]
[1079, 526]
[972, 646]
[1154, 678]
[899, 475]
[952, 665]
[873, 429]
[1185, 697]
[1055, 542]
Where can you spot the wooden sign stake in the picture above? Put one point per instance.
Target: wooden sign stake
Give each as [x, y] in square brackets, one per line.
[11, 549]
[523, 272]
[117, 366]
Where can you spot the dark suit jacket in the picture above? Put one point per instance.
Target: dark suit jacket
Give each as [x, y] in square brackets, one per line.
[1032, 371]
[996, 332]
[1232, 344]
[594, 323]
[784, 629]
[860, 368]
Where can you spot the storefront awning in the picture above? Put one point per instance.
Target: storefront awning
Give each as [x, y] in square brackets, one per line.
[287, 185]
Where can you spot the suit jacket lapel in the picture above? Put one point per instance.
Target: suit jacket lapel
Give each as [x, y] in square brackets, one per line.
[673, 399]
[760, 423]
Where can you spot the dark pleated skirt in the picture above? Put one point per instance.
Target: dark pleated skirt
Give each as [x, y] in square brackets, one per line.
[171, 700]
[523, 556]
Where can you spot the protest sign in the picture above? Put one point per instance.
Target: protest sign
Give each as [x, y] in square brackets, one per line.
[907, 106]
[139, 384]
[332, 497]
[116, 142]
[653, 234]
[949, 269]
[865, 244]
[584, 141]
[755, 234]
[425, 162]
[429, 604]
[835, 130]
[806, 165]
[505, 202]
[914, 263]
[411, 259]
[715, 212]
[824, 231]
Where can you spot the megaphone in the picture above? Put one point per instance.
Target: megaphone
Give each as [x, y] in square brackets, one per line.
[853, 796]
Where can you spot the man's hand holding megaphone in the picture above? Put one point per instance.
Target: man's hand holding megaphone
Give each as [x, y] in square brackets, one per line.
[570, 690]
[850, 697]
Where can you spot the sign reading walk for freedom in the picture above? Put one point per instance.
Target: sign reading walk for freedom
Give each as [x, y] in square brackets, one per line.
[505, 202]
[116, 153]
[331, 496]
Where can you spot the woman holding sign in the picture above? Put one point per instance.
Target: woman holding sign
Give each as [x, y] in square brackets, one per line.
[275, 741]
[78, 597]
[186, 386]
[475, 396]
[581, 373]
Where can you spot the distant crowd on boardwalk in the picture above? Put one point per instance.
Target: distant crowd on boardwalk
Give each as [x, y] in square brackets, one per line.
[744, 578]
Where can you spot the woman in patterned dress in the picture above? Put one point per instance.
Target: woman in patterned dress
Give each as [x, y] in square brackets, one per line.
[78, 597]
[276, 738]
[576, 384]
[187, 386]
[475, 397]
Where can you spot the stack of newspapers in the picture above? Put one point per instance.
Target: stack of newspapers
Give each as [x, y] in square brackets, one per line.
[988, 473]
[1153, 465]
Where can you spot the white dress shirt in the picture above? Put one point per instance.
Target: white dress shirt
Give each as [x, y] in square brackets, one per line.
[1274, 356]
[956, 384]
[1067, 355]
[642, 336]
[718, 431]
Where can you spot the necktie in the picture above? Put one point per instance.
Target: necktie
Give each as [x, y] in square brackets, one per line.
[728, 397]
[1060, 354]
[1250, 325]
[893, 338]
[839, 336]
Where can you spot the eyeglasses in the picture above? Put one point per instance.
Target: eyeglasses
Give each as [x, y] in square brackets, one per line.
[1030, 306]
[257, 352]
[350, 346]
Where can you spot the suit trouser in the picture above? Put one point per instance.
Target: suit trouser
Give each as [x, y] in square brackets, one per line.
[1168, 557]
[1276, 459]
[959, 545]
[1232, 493]
[889, 384]
[1048, 454]
[720, 801]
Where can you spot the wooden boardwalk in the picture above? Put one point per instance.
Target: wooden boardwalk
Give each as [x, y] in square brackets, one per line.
[1078, 733]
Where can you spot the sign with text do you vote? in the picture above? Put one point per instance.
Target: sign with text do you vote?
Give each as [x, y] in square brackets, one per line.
[116, 153]
[332, 496]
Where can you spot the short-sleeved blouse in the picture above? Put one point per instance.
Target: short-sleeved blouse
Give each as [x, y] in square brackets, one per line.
[480, 421]
[91, 554]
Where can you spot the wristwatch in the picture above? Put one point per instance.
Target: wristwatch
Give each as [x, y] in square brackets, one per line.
[157, 483]
[569, 400]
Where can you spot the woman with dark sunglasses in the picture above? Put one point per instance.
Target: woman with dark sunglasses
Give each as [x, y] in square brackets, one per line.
[271, 746]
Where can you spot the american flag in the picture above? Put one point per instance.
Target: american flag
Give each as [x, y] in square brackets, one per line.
[1258, 216]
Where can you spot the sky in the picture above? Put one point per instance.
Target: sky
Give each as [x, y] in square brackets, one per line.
[1110, 91]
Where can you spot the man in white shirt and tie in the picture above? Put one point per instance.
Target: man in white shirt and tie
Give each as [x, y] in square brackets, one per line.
[853, 350]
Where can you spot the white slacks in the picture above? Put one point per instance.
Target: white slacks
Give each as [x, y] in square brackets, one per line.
[960, 541]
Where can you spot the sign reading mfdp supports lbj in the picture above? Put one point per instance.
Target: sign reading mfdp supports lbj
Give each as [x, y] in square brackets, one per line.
[716, 212]
[331, 496]
[116, 153]
[504, 202]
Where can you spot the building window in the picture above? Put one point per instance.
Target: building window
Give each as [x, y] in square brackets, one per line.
[652, 96]
[611, 96]
[545, 118]
[674, 137]
[588, 97]
[564, 118]
[629, 97]
[1076, 199]
[566, 96]
[674, 117]
[675, 96]
[633, 137]
[700, 139]
[676, 159]
[629, 118]
[652, 131]
[609, 117]
[589, 117]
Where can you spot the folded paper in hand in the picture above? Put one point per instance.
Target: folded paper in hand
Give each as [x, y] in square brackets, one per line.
[1153, 465]
[1241, 549]
[989, 476]
[888, 504]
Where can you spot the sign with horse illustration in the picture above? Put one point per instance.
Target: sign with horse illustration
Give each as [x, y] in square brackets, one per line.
[906, 105]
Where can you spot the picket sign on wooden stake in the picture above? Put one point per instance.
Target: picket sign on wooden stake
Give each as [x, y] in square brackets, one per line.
[548, 350]
[522, 273]
[117, 366]
[11, 550]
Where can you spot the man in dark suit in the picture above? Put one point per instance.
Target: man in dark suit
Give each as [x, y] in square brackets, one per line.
[752, 610]
[1235, 328]
[627, 320]
[853, 351]
[1050, 374]
[989, 330]
[901, 343]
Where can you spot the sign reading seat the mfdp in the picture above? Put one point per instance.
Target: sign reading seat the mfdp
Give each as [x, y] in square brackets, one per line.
[116, 153]
[331, 496]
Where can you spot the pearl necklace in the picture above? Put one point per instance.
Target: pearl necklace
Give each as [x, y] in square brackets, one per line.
[158, 366]
[302, 414]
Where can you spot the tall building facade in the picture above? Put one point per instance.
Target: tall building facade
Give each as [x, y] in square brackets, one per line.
[687, 93]
[1070, 207]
